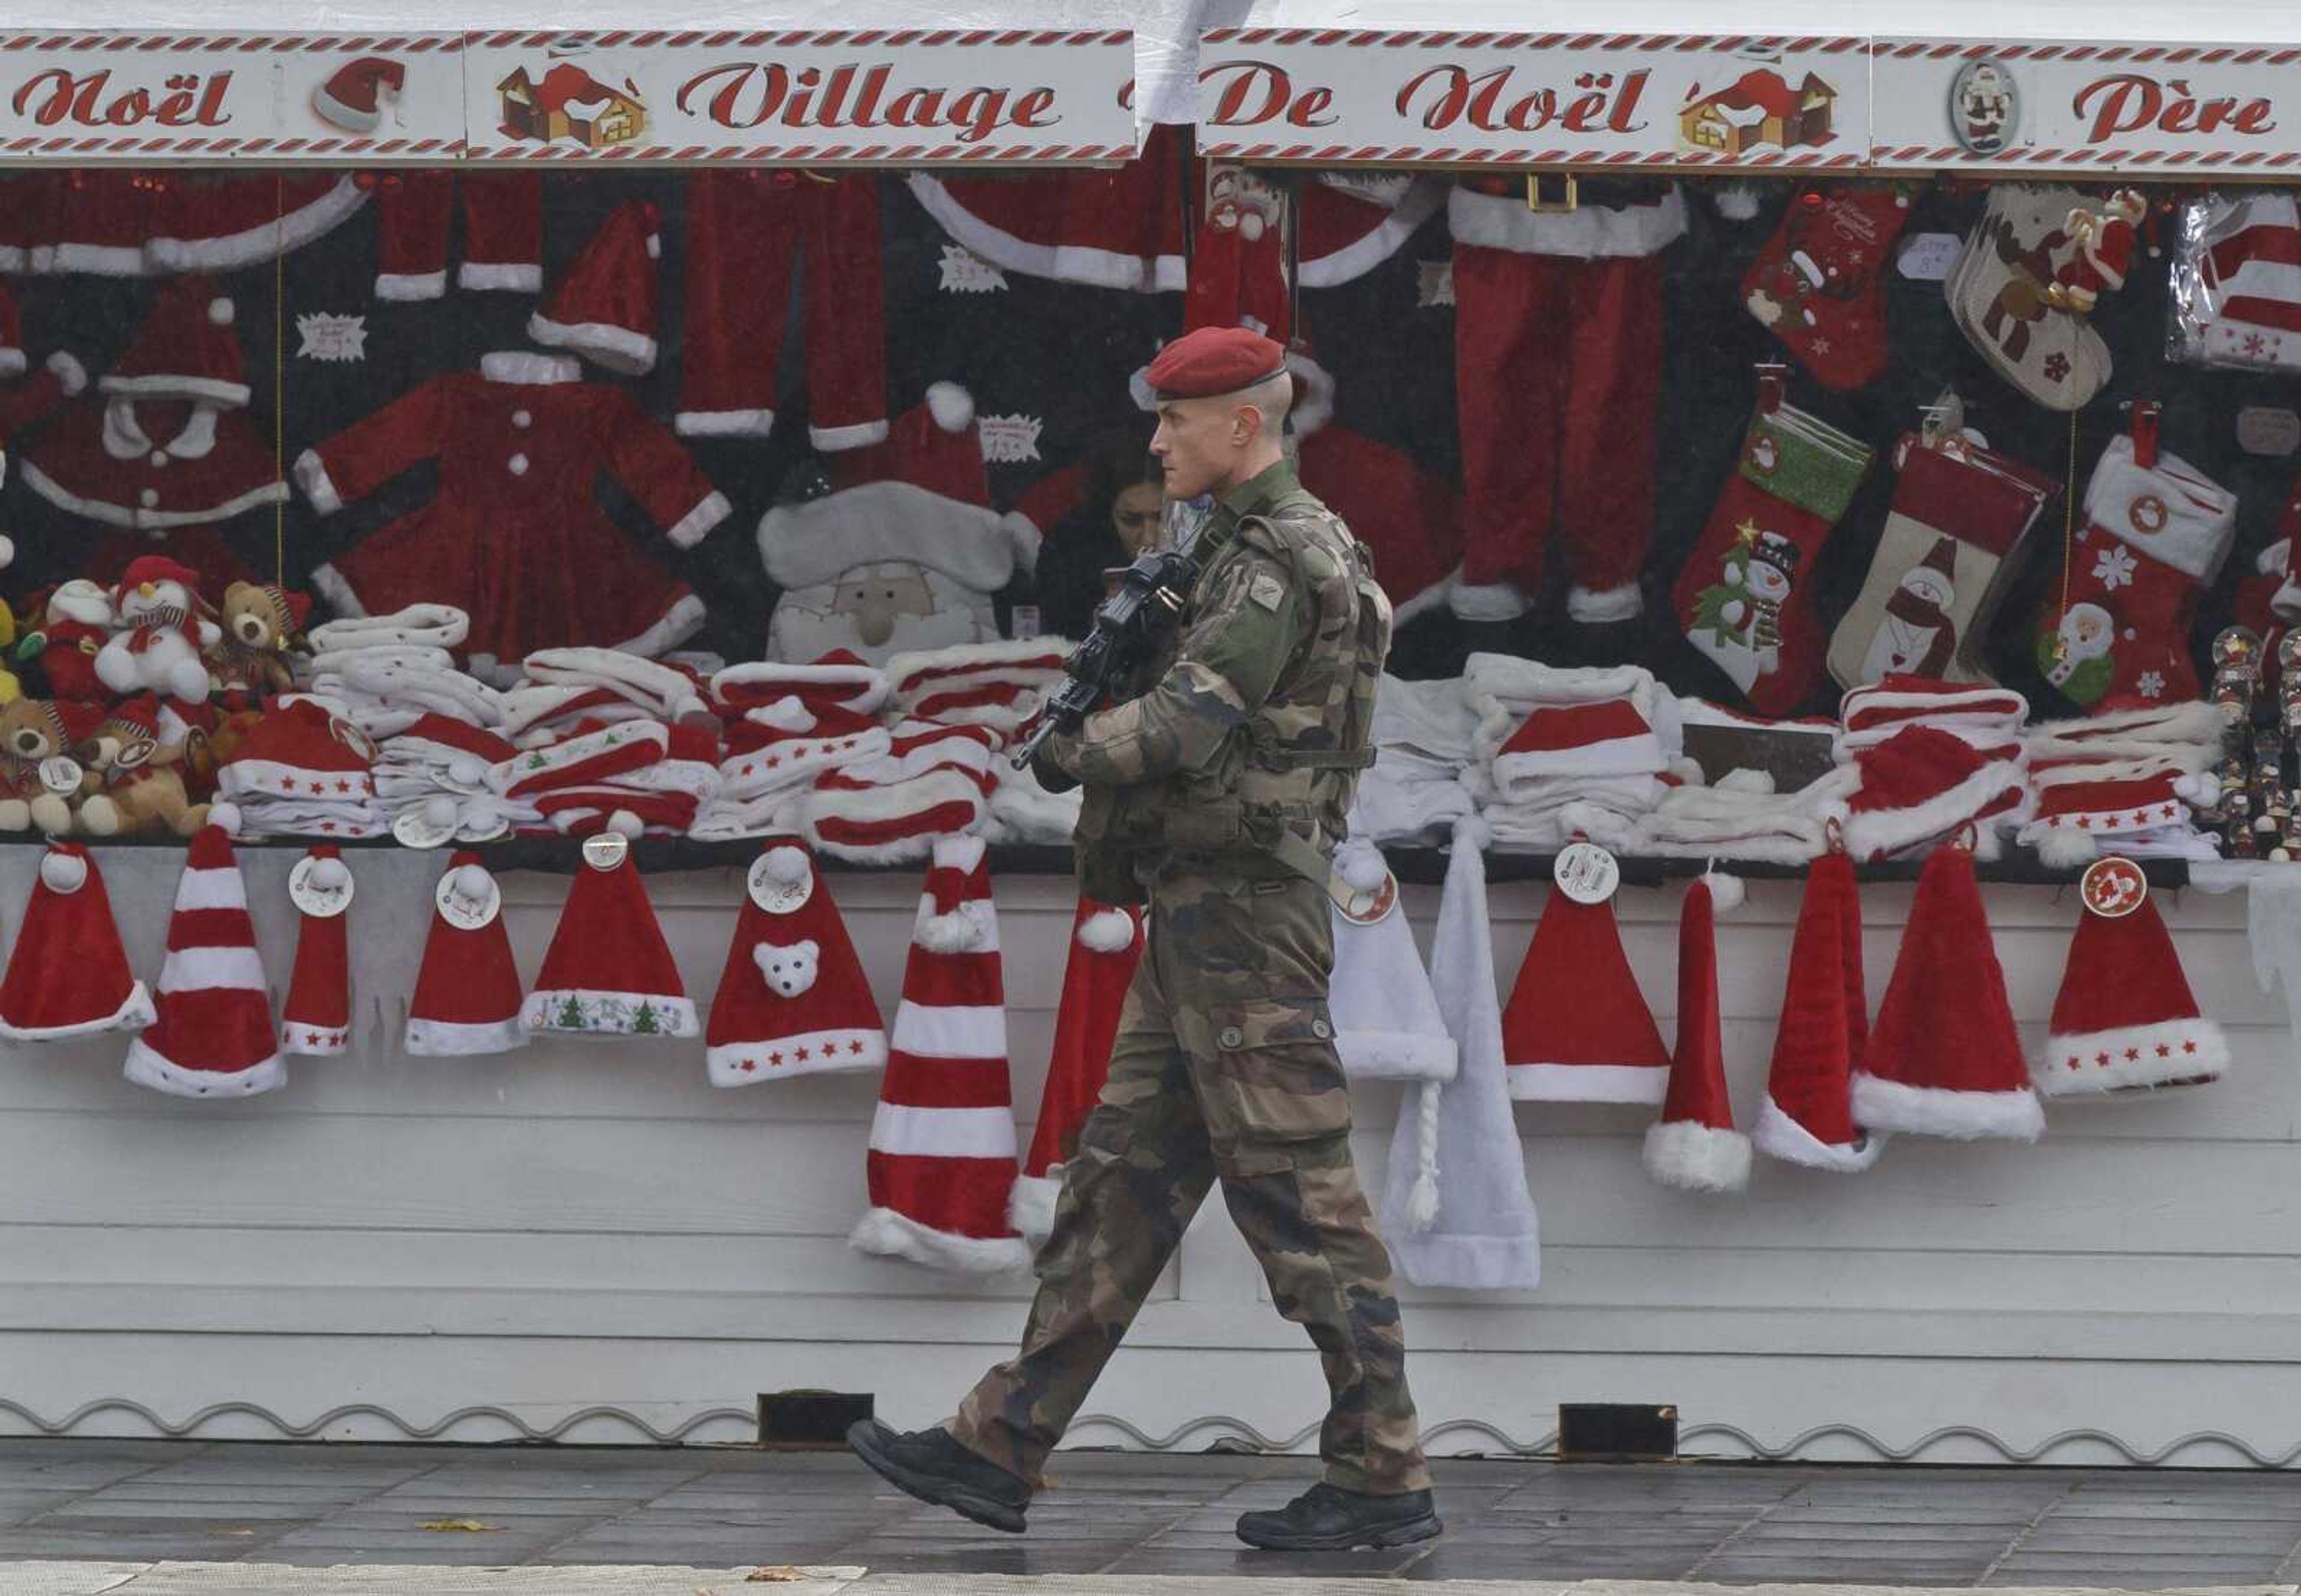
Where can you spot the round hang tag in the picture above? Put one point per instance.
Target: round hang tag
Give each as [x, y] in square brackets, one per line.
[1367, 906]
[322, 893]
[484, 826]
[415, 829]
[1585, 872]
[60, 772]
[772, 891]
[133, 754]
[605, 850]
[2114, 888]
[468, 897]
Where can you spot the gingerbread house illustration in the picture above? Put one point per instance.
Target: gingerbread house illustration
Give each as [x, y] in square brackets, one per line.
[569, 102]
[1757, 109]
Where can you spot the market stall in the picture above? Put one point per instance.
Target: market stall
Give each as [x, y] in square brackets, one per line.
[531, 549]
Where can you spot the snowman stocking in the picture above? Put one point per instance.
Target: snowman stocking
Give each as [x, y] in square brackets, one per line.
[1745, 598]
[2117, 625]
[1820, 281]
[1959, 512]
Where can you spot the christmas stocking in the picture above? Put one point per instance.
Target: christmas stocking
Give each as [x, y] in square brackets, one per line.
[2007, 296]
[1818, 282]
[1959, 511]
[1744, 599]
[2118, 623]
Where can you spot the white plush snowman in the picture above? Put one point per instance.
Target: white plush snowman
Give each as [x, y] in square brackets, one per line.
[161, 633]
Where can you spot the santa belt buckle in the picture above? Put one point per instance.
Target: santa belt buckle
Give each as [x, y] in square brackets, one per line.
[1551, 191]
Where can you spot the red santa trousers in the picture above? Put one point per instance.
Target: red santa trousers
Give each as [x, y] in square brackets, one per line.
[747, 231]
[502, 232]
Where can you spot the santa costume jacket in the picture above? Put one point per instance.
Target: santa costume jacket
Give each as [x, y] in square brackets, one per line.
[515, 537]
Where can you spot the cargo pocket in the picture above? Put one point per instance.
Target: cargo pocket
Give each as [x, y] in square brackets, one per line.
[1276, 1078]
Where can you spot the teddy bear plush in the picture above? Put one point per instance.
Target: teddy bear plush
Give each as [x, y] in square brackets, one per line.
[40, 782]
[162, 633]
[139, 786]
[262, 623]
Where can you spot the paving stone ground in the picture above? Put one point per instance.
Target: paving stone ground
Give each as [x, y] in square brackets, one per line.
[134, 1504]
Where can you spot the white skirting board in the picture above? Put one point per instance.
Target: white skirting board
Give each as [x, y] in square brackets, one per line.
[588, 1242]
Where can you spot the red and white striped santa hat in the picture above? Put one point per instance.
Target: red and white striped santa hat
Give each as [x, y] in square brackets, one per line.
[932, 782]
[588, 754]
[836, 680]
[942, 1166]
[793, 999]
[1979, 711]
[467, 996]
[997, 684]
[214, 1037]
[1106, 945]
[317, 1018]
[68, 975]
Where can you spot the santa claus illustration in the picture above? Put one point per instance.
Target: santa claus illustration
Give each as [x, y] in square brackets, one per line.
[2075, 655]
[1919, 633]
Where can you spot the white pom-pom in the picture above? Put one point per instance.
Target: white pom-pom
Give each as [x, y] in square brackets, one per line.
[220, 311]
[2060, 849]
[2199, 788]
[225, 818]
[1361, 866]
[329, 876]
[71, 375]
[465, 771]
[624, 823]
[786, 714]
[956, 933]
[64, 873]
[1726, 892]
[655, 247]
[1737, 202]
[7, 551]
[1252, 226]
[1106, 930]
[787, 866]
[1747, 780]
[472, 880]
[951, 406]
[440, 812]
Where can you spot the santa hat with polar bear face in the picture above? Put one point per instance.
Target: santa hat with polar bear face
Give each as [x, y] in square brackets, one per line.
[793, 999]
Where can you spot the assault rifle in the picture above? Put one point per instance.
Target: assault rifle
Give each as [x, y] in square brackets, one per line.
[1128, 626]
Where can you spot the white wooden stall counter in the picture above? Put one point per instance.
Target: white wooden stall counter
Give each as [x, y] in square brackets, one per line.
[587, 1241]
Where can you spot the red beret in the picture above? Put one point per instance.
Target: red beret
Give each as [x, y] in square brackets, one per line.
[1213, 359]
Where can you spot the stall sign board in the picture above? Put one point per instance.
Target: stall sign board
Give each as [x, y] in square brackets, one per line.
[2114, 107]
[898, 97]
[149, 96]
[1676, 100]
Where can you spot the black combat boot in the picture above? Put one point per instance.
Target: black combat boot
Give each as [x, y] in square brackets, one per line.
[933, 1468]
[1327, 1518]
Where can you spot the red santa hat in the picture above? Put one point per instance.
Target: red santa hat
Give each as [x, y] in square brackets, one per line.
[792, 998]
[184, 349]
[608, 970]
[1577, 1029]
[837, 681]
[589, 754]
[1808, 1115]
[1944, 1058]
[1106, 945]
[466, 998]
[1693, 1145]
[1000, 685]
[932, 782]
[1872, 713]
[2125, 1019]
[1923, 782]
[299, 748]
[1386, 1022]
[149, 571]
[213, 1037]
[12, 335]
[68, 975]
[316, 1020]
[942, 1166]
[353, 96]
[458, 751]
[603, 307]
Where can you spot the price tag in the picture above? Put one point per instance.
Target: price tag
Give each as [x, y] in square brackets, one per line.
[605, 850]
[468, 910]
[1585, 872]
[2268, 430]
[2114, 888]
[413, 830]
[309, 896]
[776, 896]
[1928, 258]
[60, 772]
[1367, 907]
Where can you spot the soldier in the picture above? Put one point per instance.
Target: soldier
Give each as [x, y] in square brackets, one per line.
[1215, 796]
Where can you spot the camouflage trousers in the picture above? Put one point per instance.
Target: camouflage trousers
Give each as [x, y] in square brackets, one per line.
[1225, 1067]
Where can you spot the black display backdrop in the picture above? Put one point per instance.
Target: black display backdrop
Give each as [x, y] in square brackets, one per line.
[1062, 354]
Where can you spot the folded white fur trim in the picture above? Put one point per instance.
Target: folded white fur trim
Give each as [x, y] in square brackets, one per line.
[1527, 681]
[671, 694]
[406, 655]
[2135, 733]
[975, 663]
[430, 625]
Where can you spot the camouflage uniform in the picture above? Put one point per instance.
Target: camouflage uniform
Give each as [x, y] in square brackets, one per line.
[1224, 1066]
